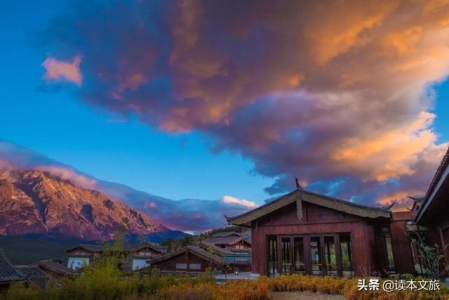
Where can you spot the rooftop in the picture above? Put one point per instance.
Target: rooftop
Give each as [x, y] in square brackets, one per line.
[8, 272]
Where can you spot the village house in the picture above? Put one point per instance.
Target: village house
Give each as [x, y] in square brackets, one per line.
[139, 255]
[197, 258]
[229, 240]
[135, 257]
[83, 254]
[41, 273]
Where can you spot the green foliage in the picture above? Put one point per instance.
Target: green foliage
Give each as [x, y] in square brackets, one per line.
[432, 257]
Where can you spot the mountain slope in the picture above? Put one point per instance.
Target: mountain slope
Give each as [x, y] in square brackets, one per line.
[37, 202]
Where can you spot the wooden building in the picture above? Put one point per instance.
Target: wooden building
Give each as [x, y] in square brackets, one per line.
[197, 258]
[41, 273]
[134, 257]
[230, 241]
[309, 233]
[190, 259]
[83, 254]
[139, 255]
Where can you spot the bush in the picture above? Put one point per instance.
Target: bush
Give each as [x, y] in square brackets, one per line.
[105, 281]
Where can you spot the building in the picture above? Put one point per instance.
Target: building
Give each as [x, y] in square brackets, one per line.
[139, 255]
[134, 257]
[83, 254]
[309, 233]
[229, 240]
[197, 258]
[43, 272]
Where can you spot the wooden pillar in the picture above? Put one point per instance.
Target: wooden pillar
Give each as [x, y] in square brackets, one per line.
[299, 213]
[338, 255]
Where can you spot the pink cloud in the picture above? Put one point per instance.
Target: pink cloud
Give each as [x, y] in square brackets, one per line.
[62, 70]
[331, 94]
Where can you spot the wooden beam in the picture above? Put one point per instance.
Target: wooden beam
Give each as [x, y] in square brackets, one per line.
[299, 207]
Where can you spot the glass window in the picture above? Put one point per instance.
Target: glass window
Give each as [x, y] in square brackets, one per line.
[299, 265]
[315, 254]
[346, 252]
[286, 255]
[330, 257]
[272, 255]
[387, 239]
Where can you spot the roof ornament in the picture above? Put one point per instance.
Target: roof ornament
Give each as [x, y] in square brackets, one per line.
[391, 205]
[298, 186]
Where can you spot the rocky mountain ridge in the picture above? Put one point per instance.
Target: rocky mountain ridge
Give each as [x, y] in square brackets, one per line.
[38, 202]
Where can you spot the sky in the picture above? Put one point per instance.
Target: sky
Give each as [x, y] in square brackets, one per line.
[214, 99]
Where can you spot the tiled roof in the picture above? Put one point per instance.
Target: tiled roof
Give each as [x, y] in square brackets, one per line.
[225, 234]
[206, 254]
[34, 275]
[433, 185]
[100, 248]
[155, 247]
[228, 240]
[196, 249]
[223, 251]
[88, 248]
[439, 173]
[7, 270]
[55, 267]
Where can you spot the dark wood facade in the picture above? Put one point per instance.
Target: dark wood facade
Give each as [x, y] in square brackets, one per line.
[405, 253]
[309, 233]
[191, 259]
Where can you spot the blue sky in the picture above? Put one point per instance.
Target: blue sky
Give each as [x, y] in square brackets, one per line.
[99, 143]
[218, 114]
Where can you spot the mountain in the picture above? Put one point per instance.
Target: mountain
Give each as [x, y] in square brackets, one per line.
[38, 202]
[188, 215]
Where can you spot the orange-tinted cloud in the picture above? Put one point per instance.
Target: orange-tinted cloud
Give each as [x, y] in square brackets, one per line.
[338, 94]
[62, 70]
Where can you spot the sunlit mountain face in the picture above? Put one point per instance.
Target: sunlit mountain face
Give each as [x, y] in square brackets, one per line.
[41, 195]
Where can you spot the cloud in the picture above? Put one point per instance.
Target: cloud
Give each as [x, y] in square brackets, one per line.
[192, 215]
[69, 174]
[60, 70]
[339, 95]
[16, 157]
[242, 202]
